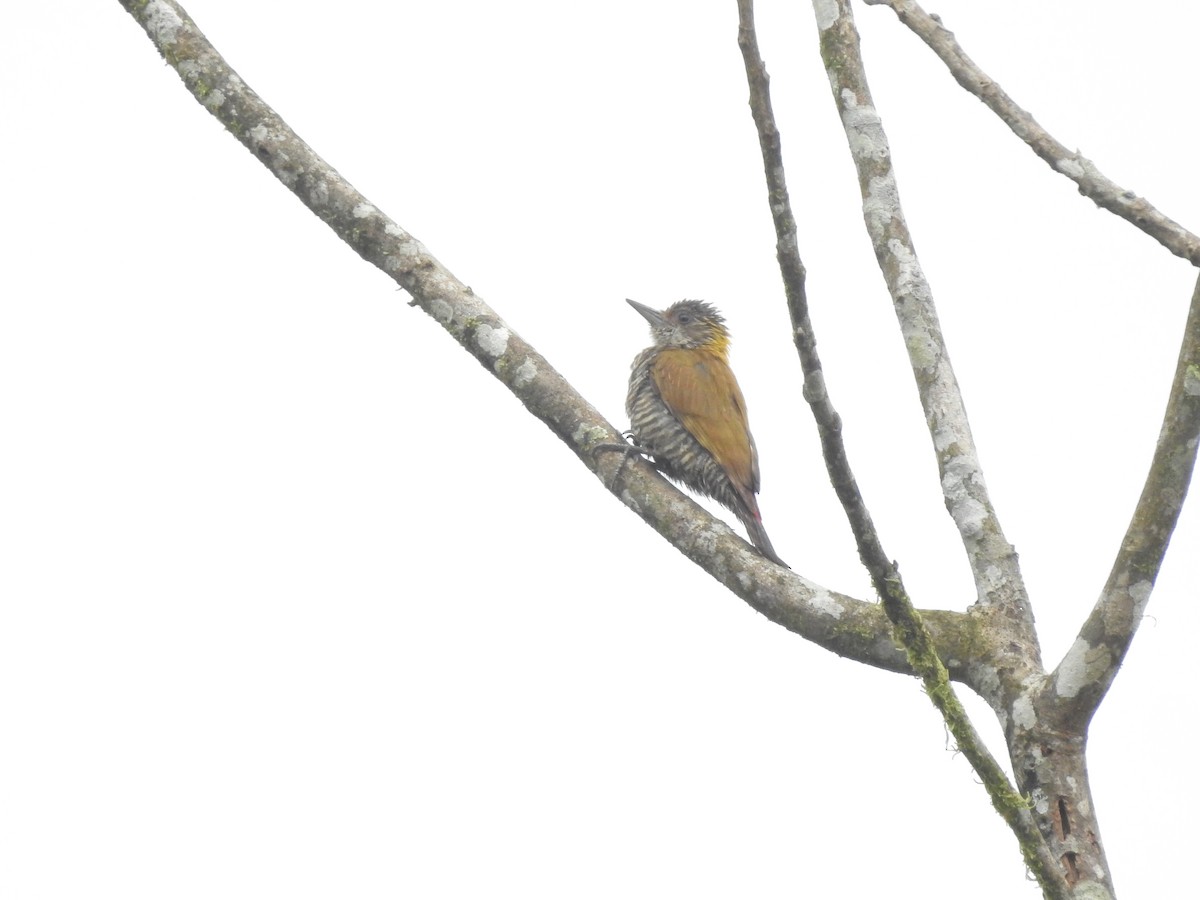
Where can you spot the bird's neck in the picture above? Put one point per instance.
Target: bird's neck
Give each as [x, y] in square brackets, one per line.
[718, 346]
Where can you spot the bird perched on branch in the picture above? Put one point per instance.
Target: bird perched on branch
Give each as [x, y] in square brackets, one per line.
[687, 411]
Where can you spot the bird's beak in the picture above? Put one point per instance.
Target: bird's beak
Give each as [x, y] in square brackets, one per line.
[653, 316]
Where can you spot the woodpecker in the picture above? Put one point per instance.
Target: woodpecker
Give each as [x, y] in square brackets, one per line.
[687, 411]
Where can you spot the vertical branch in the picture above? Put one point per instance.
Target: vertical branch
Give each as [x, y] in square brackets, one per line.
[993, 562]
[791, 267]
[907, 624]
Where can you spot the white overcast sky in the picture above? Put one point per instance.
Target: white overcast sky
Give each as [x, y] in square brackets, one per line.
[297, 601]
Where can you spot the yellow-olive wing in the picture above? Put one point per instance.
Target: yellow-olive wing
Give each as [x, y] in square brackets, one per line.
[701, 392]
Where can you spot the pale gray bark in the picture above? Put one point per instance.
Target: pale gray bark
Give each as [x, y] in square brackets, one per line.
[992, 646]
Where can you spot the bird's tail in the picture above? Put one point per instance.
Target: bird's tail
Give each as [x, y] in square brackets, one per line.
[747, 511]
[758, 536]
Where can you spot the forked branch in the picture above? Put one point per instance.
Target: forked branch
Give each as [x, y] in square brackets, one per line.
[1083, 677]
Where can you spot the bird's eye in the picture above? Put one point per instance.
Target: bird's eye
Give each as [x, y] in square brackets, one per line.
[685, 318]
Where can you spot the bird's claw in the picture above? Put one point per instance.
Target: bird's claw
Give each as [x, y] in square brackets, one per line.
[626, 451]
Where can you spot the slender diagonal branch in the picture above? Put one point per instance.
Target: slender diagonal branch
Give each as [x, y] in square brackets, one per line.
[1087, 671]
[847, 626]
[907, 623]
[1092, 183]
[992, 560]
[787, 252]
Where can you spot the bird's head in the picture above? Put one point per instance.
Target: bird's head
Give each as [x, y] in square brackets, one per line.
[686, 325]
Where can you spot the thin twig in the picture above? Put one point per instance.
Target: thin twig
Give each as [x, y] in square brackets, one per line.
[1087, 671]
[829, 423]
[1092, 183]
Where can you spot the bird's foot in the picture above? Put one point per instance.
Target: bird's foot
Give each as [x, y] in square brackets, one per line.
[626, 451]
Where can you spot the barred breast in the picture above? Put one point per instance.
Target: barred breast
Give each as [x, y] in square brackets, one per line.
[676, 453]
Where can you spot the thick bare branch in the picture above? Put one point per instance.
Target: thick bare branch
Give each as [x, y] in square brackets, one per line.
[846, 626]
[1092, 183]
[1085, 674]
[908, 625]
[992, 559]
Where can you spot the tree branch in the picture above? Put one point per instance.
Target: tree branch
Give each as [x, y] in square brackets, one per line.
[1092, 183]
[1085, 674]
[849, 627]
[829, 423]
[907, 623]
[992, 559]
